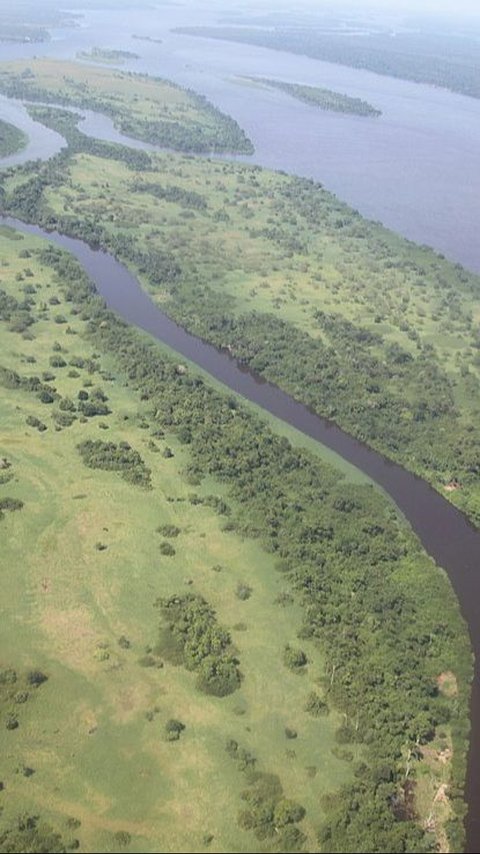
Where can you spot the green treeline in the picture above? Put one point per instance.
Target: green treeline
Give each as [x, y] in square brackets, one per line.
[11, 139]
[453, 63]
[109, 55]
[111, 457]
[326, 99]
[384, 616]
[65, 123]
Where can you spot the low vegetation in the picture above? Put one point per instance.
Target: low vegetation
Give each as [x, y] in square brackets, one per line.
[107, 55]
[325, 99]
[12, 139]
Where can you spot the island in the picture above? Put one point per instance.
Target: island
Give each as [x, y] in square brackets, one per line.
[325, 99]
[107, 55]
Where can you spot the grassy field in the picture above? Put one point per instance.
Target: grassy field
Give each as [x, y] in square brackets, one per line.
[152, 109]
[94, 732]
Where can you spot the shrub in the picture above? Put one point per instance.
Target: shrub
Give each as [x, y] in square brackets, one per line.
[36, 678]
[11, 722]
[167, 549]
[294, 659]
[315, 705]
[173, 729]
[243, 592]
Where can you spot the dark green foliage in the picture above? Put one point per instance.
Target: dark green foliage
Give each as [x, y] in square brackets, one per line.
[191, 635]
[111, 457]
[57, 362]
[167, 549]
[33, 421]
[17, 314]
[30, 834]
[64, 419]
[92, 408]
[12, 139]
[294, 659]
[184, 198]
[169, 530]
[173, 729]
[268, 811]
[11, 722]
[65, 123]
[10, 504]
[324, 98]
[36, 678]
[243, 591]
[315, 706]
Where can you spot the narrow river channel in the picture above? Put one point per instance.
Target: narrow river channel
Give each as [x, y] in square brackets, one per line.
[444, 532]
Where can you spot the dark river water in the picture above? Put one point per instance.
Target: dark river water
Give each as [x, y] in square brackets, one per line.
[445, 533]
[415, 169]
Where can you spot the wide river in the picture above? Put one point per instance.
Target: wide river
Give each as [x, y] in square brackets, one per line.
[415, 169]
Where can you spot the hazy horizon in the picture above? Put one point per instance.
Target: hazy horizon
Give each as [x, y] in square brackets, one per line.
[436, 8]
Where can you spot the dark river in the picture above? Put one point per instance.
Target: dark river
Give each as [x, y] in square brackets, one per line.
[445, 533]
[415, 169]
